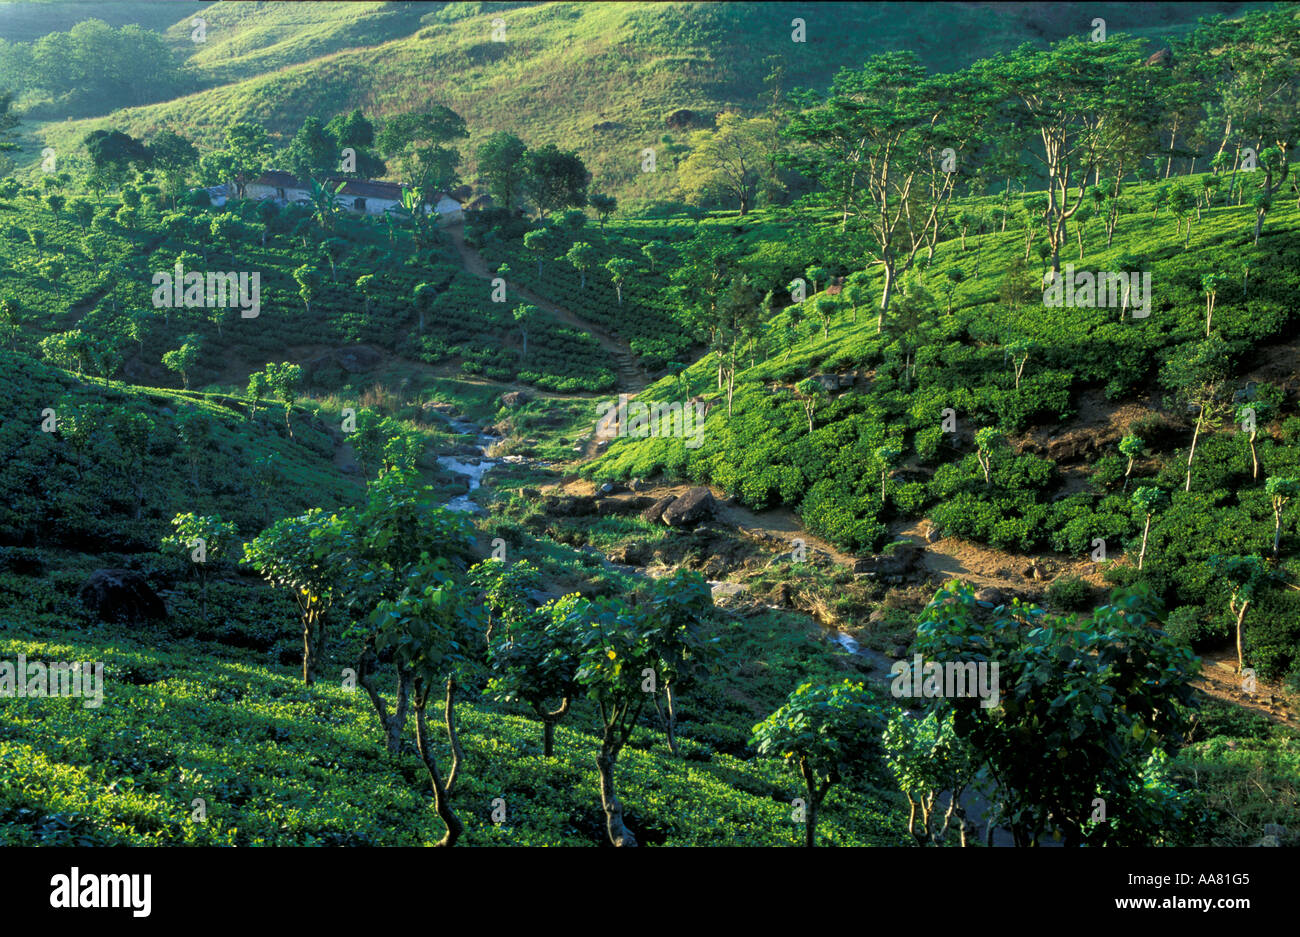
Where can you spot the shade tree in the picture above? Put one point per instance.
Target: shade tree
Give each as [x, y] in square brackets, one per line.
[829, 734]
[209, 542]
[1246, 577]
[1106, 723]
[535, 660]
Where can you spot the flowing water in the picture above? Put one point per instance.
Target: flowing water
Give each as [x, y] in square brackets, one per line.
[472, 467]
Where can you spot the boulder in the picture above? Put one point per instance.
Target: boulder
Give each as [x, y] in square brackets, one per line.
[514, 398]
[357, 359]
[679, 119]
[655, 512]
[727, 590]
[694, 506]
[991, 595]
[121, 595]
[540, 597]
[613, 507]
[630, 554]
[570, 506]
[902, 561]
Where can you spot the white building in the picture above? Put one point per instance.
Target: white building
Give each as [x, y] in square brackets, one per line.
[360, 196]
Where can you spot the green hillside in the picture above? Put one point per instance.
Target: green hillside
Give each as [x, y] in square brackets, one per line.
[26, 21]
[422, 547]
[601, 79]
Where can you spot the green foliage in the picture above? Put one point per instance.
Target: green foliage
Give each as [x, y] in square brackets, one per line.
[1107, 724]
[1070, 594]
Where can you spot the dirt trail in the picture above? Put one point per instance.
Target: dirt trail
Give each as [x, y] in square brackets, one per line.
[980, 565]
[631, 377]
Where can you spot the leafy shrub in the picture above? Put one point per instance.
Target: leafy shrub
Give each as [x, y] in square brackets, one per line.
[1070, 593]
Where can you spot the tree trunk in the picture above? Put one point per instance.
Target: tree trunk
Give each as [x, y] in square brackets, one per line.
[885, 296]
[810, 823]
[393, 723]
[449, 716]
[440, 799]
[1241, 616]
[619, 835]
[308, 652]
[1192, 454]
[1145, 530]
[815, 796]
[668, 714]
[549, 719]
[1254, 465]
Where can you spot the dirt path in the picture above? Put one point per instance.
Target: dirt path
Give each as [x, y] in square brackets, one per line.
[1219, 678]
[980, 565]
[630, 375]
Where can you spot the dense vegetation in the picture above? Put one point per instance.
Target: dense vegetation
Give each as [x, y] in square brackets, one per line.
[841, 257]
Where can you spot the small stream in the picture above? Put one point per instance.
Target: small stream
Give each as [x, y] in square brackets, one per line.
[472, 467]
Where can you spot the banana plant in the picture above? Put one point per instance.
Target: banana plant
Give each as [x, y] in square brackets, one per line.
[324, 203]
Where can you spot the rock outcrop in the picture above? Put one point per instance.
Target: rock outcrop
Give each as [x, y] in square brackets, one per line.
[121, 595]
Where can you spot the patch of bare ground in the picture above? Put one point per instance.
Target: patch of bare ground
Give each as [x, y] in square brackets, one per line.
[1219, 678]
[1095, 430]
[1277, 363]
[981, 565]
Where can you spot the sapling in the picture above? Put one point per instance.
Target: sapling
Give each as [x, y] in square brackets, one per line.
[1148, 499]
[1210, 283]
[1246, 577]
[810, 393]
[985, 442]
[1280, 491]
[1132, 447]
[887, 455]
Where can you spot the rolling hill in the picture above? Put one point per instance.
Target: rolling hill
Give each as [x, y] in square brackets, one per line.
[602, 79]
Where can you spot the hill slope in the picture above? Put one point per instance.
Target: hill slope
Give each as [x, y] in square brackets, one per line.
[595, 77]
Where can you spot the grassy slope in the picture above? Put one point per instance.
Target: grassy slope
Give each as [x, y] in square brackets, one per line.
[566, 67]
[1223, 230]
[31, 19]
[276, 763]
